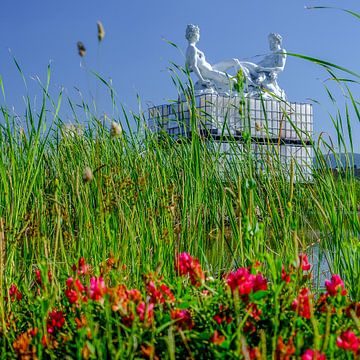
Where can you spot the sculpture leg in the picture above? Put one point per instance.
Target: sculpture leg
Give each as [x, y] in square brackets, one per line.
[226, 65]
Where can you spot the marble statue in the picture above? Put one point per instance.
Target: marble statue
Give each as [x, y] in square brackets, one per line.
[216, 78]
[265, 73]
[211, 78]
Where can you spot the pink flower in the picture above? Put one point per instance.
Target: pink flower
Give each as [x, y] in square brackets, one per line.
[14, 293]
[145, 312]
[348, 341]
[97, 288]
[183, 318]
[312, 355]
[335, 285]
[55, 321]
[82, 268]
[245, 282]
[304, 262]
[218, 319]
[302, 303]
[188, 266]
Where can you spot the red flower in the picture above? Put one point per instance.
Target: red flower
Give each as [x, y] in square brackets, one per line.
[283, 350]
[55, 321]
[72, 296]
[223, 315]
[312, 355]
[159, 294]
[304, 262]
[183, 318]
[14, 293]
[188, 266]
[38, 276]
[245, 282]
[74, 290]
[260, 283]
[254, 311]
[217, 339]
[134, 295]
[97, 288]
[82, 268]
[284, 275]
[348, 341]
[302, 303]
[335, 285]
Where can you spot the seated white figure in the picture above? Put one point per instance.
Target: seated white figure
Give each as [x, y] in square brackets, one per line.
[265, 73]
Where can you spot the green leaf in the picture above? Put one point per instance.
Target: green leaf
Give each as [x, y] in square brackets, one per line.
[258, 295]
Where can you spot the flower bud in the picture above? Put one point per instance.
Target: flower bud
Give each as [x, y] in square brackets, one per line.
[88, 175]
[115, 129]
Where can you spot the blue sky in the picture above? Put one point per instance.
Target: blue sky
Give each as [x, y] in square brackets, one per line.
[136, 57]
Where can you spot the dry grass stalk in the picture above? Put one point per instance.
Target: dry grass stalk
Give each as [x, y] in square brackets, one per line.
[81, 48]
[101, 31]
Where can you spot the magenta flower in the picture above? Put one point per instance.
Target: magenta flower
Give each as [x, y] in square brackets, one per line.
[348, 341]
[313, 355]
[145, 312]
[335, 285]
[97, 288]
[245, 282]
[188, 266]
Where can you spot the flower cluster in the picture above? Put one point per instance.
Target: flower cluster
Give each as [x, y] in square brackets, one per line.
[244, 282]
[159, 292]
[302, 303]
[188, 266]
[348, 341]
[14, 293]
[55, 321]
[335, 286]
[238, 312]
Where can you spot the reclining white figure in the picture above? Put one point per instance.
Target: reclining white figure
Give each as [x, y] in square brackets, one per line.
[212, 78]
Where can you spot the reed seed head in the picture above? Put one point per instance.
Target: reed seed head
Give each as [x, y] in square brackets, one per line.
[115, 129]
[101, 31]
[81, 48]
[88, 175]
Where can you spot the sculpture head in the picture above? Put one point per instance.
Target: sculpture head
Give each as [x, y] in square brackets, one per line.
[275, 40]
[192, 33]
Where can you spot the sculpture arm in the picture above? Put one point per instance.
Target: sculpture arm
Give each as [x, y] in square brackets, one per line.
[278, 58]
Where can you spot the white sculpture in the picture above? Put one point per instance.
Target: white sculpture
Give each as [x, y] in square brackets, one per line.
[212, 78]
[265, 73]
[216, 79]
